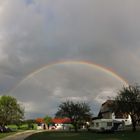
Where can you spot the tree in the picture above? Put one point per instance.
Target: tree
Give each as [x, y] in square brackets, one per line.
[30, 123]
[10, 110]
[77, 112]
[128, 102]
[47, 119]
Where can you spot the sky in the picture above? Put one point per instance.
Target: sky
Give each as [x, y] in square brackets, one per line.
[44, 42]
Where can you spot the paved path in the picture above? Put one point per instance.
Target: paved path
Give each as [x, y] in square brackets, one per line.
[21, 135]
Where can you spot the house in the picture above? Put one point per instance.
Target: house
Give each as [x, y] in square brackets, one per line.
[109, 120]
[106, 112]
[104, 125]
[61, 123]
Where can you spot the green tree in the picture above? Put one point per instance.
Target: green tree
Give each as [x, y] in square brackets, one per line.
[30, 123]
[128, 102]
[10, 110]
[77, 112]
[47, 119]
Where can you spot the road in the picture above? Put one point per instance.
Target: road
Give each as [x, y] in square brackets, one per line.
[21, 135]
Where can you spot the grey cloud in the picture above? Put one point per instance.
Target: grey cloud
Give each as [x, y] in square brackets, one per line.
[36, 33]
[44, 91]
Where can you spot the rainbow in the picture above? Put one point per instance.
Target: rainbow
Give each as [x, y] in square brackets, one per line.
[87, 63]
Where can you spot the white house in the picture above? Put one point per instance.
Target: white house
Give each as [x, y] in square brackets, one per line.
[107, 120]
[102, 125]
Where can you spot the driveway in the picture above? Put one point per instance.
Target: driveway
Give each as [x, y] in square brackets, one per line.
[21, 135]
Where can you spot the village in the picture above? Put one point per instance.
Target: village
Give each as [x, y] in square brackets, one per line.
[106, 121]
[112, 118]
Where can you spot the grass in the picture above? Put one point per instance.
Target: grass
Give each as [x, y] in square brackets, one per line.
[22, 127]
[16, 130]
[2, 135]
[84, 136]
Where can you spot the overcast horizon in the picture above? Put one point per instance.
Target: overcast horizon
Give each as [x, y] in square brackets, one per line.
[55, 50]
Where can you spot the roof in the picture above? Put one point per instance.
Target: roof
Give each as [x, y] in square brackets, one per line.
[108, 102]
[61, 120]
[106, 106]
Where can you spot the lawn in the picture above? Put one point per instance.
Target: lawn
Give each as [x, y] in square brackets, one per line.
[2, 135]
[16, 130]
[22, 127]
[84, 136]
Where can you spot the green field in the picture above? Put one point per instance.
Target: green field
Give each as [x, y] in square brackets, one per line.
[84, 136]
[15, 130]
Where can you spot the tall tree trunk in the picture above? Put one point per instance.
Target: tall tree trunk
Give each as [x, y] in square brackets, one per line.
[133, 123]
[75, 127]
[134, 126]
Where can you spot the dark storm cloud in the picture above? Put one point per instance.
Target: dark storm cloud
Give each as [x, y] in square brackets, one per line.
[34, 33]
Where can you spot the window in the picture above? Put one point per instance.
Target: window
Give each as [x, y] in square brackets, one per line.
[97, 124]
[109, 123]
[92, 123]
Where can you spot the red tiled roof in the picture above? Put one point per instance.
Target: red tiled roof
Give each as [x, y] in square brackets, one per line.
[61, 120]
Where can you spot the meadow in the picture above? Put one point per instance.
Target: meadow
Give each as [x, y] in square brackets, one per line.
[127, 135]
